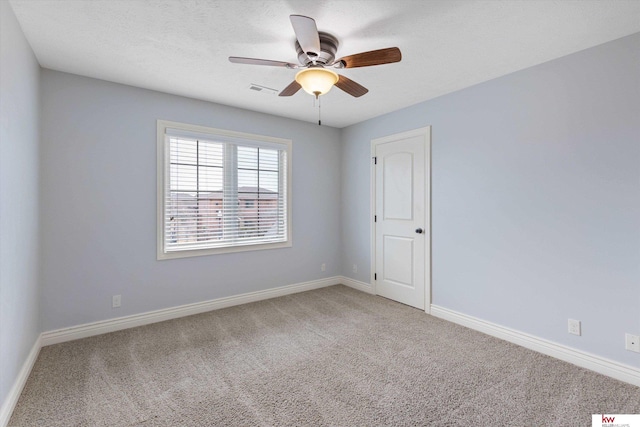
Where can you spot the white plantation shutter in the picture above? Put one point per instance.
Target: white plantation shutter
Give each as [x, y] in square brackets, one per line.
[222, 191]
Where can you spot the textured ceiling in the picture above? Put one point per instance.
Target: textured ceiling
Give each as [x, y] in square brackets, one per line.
[181, 47]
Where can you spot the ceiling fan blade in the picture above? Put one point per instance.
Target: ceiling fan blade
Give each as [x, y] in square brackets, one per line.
[307, 34]
[373, 57]
[254, 61]
[351, 87]
[291, 89]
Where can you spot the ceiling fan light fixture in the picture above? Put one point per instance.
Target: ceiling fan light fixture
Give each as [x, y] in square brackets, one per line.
[316, 81]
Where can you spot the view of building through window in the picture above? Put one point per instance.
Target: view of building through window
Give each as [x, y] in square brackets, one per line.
[199, 216]
[223, 192]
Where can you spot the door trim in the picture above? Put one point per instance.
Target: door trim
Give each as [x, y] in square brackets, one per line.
[426, 133]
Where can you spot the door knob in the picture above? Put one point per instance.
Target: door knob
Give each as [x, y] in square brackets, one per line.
[419, 230]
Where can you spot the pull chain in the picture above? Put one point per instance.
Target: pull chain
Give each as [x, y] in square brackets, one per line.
[317, 98]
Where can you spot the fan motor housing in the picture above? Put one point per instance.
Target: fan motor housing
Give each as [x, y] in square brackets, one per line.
[328, 48]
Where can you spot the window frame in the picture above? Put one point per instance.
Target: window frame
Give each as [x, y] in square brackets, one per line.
[162, 161]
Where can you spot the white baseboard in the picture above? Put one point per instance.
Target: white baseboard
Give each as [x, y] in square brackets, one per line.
[580, 358]
[356, 284]
[14, 393]
[126, 322]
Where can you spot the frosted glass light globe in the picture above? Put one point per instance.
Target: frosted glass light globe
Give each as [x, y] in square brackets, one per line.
[316, 81]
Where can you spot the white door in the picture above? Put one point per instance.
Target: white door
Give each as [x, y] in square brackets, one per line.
[401, 224]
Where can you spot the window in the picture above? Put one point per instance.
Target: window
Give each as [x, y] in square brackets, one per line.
[221, 191]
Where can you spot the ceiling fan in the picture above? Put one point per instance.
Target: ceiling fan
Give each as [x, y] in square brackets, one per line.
[316, 51]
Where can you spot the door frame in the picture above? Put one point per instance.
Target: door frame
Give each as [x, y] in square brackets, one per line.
[425, 132]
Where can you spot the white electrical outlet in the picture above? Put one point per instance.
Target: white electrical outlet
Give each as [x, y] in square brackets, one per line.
[355, 268]
[632, 342]
[574, 327]
[323, 267]
[116, 301]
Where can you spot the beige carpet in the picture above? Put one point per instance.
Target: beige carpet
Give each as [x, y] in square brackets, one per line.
[333, 356]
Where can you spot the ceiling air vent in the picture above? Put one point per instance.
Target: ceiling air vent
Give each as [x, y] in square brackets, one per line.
[262, 89]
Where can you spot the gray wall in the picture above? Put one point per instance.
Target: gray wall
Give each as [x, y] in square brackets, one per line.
[98, 204]
[19, 139]
[535, 197]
